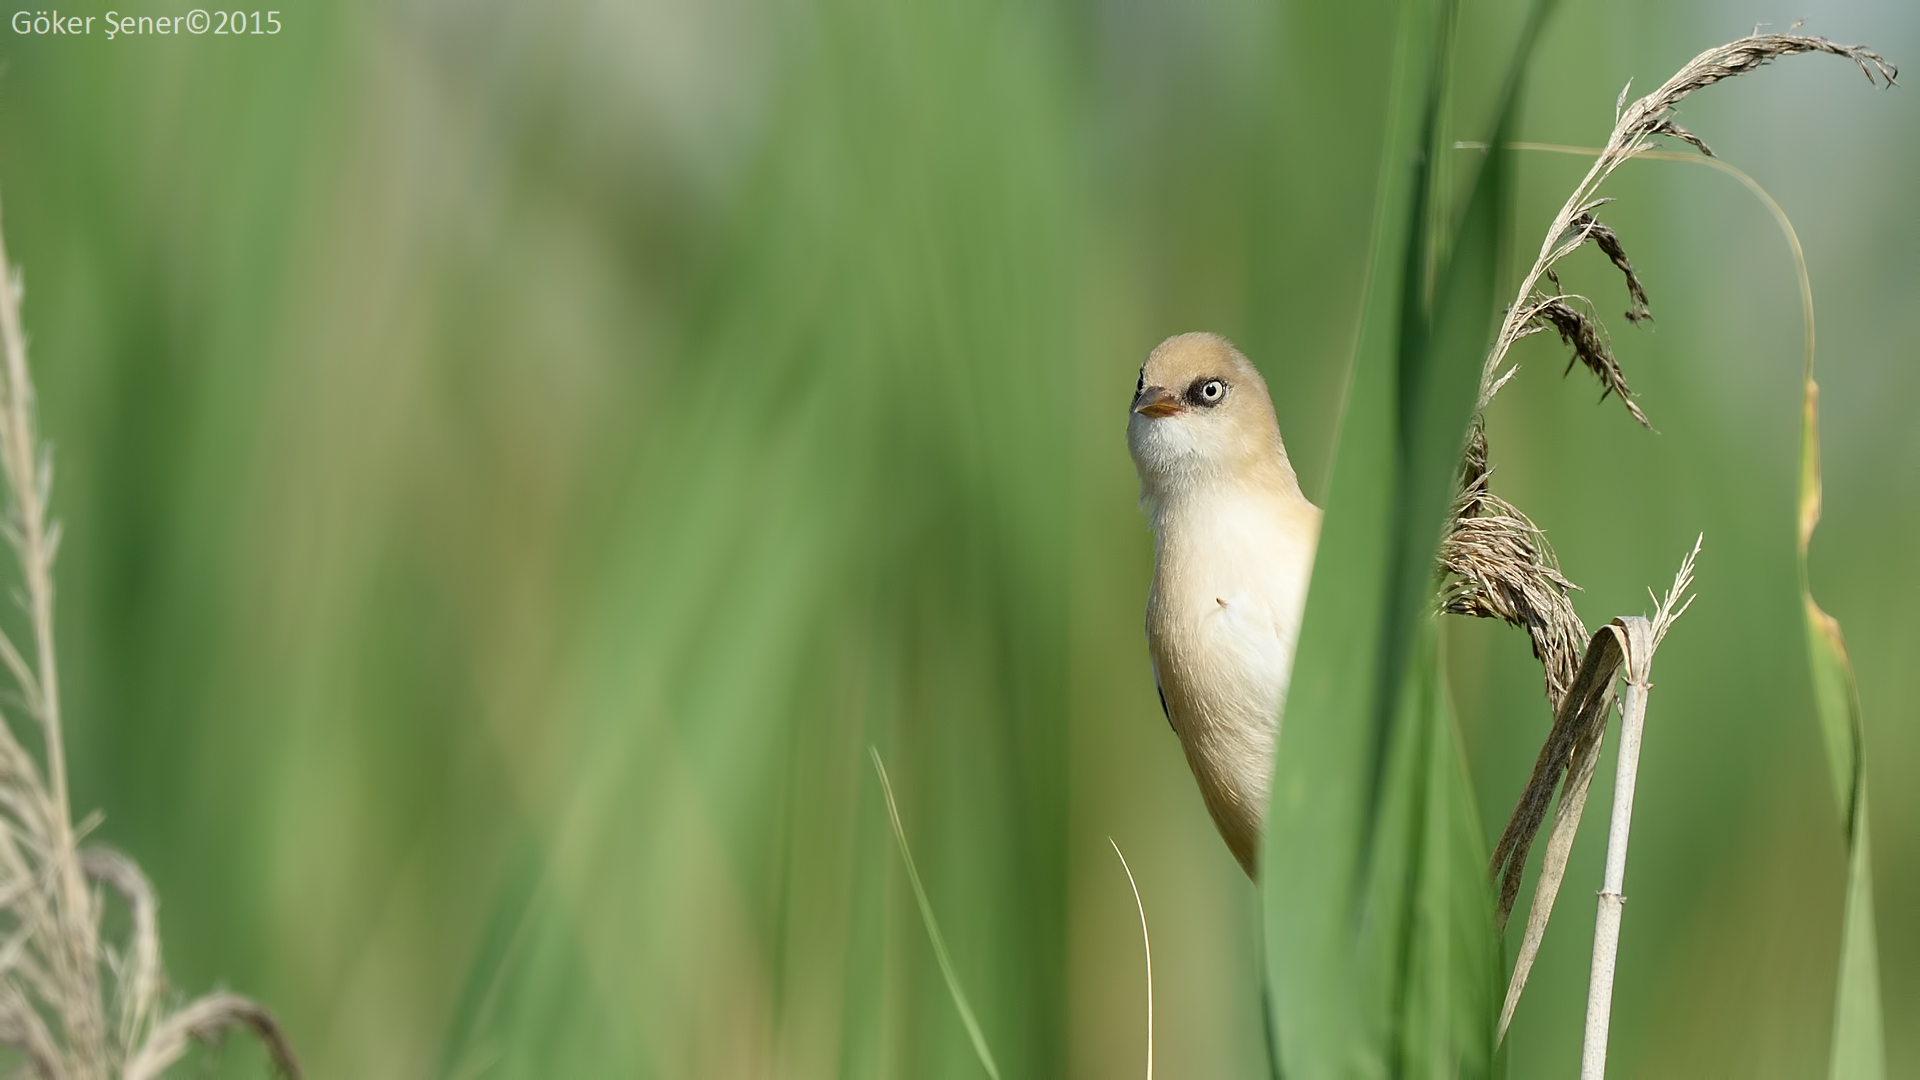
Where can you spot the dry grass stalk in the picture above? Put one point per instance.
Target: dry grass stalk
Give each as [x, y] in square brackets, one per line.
[57, 975]
[1573, 748]
[1640, 637]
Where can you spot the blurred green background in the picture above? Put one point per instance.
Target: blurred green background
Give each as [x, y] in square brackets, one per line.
[515, 459]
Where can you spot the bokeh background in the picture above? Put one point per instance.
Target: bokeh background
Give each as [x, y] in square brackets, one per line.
[516, 458]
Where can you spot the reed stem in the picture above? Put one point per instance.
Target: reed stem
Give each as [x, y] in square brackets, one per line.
[1613, 900]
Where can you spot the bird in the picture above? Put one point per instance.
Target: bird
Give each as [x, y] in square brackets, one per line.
[1233, 550]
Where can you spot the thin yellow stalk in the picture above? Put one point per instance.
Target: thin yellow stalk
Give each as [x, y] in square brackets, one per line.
[1146, 943]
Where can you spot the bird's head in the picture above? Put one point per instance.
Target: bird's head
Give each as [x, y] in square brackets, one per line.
[1200, 413]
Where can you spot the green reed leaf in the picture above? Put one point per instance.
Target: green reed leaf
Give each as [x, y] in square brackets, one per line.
[1380, 948]
[1858, 1050]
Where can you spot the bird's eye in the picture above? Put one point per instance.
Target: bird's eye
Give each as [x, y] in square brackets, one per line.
[1142, 384]
[1207, 392]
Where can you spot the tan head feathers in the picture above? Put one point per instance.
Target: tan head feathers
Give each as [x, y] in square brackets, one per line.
[1201, 408]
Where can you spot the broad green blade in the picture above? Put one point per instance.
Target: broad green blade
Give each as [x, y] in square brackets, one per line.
[1316, 815]
[1429, 939]
[1859, 1045]
[1380, 949]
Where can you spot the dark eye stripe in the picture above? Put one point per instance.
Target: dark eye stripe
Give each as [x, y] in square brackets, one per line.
[1207, 392]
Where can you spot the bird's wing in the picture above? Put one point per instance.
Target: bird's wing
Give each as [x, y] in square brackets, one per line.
[1162, 691]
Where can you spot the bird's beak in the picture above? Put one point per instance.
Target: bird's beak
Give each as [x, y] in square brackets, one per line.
[1155, 401]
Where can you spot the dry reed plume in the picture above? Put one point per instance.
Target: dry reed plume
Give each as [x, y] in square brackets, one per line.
[73, 1005]
[1497, 563]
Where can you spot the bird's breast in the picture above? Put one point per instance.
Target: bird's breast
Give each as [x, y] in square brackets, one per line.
[1230, 581]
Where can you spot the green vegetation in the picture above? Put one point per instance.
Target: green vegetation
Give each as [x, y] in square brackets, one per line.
[515, 461]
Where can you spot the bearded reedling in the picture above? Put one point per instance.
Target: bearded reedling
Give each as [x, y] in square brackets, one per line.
[1233, 551]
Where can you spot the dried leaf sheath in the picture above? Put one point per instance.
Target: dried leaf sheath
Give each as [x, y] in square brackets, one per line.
[1581, 718]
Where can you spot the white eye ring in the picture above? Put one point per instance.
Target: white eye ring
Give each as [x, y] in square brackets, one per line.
[1212, 391]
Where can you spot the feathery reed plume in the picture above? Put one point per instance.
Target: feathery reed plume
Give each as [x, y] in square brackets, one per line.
[1497, 564]
[57, 974]
[1634, 129]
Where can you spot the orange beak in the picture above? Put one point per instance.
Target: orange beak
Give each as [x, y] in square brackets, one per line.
[1156, 401]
